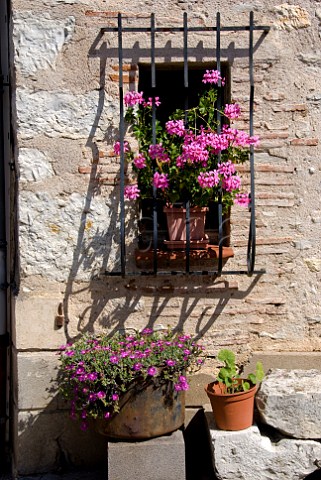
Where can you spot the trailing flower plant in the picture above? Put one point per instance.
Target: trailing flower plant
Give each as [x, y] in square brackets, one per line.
[97, 370]
[192, 159]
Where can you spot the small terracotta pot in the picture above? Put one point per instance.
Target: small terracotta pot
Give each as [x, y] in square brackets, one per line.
[176, 223]
[232, 411]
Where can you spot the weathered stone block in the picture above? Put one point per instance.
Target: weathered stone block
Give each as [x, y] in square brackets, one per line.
[290, 402]
[155, 459]
[48, 440]
[36, 374]
[246, 454]
[35, 327]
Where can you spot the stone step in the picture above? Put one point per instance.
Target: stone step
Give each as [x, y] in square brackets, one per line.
[155, 459]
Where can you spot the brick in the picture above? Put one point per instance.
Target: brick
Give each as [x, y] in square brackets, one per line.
[298, 107]
[307, 142]
[84, 170]
[264, 241]
[131, 67]
[127, 77]
[276, 135]
[267, 168]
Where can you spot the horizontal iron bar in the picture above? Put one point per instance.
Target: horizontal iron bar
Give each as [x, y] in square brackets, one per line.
[184, 274]
[265, 28]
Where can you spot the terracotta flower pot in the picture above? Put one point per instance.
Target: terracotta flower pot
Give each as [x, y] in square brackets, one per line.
[176, 223]
[232, 411]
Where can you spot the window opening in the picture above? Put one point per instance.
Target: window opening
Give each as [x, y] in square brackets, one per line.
[187, 253]
[169, 89]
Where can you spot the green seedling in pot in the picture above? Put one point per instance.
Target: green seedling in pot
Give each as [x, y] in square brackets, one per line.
[229, 374]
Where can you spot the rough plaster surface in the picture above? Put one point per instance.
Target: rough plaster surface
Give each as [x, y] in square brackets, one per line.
[39, 40]
[63, 237]
[34, 165]
[61, 114]
[287, 395]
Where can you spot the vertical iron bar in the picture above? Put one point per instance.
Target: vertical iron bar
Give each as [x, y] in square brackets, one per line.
[122, 155]
[252, 232]
[187, 205]
[219, 106]
[153, 85]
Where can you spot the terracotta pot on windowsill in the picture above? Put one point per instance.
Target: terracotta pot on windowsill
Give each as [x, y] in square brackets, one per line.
[176, 225]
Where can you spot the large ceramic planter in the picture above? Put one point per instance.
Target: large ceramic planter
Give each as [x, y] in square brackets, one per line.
[176, 225]
[231, 411]
[145, 412]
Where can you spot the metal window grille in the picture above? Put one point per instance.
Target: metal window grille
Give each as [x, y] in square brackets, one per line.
[217, 29]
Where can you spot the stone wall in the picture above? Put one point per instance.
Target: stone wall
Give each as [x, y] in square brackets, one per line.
[65, 108]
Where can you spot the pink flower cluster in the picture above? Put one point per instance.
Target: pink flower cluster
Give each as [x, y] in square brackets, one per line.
[242, 199]
[133, 98]
[232, 110]
[175, 127]
[160, 180]
[209, 179]
[213, 76]
[139, 161]
[131, 192]
[149, 102]
[117, 147]
[157, 152]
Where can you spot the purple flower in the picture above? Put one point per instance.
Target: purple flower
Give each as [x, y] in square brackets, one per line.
[115, 397]
[137, 366]
[107, 415]
[84, 426]
[114, 359]
[101, 394]
[152, 371]
[170, 363]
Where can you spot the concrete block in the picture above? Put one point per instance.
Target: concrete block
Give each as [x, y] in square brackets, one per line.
[36, 373]
[48, 440]
[161, 458]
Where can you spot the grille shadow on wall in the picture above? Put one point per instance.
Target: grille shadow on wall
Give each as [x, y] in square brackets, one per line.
[156, 259]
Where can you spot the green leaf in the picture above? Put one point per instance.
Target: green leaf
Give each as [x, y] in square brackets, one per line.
[246, 386]
[226, 356]
[259, 372]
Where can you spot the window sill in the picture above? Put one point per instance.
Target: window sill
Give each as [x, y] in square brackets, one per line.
[177, 258]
